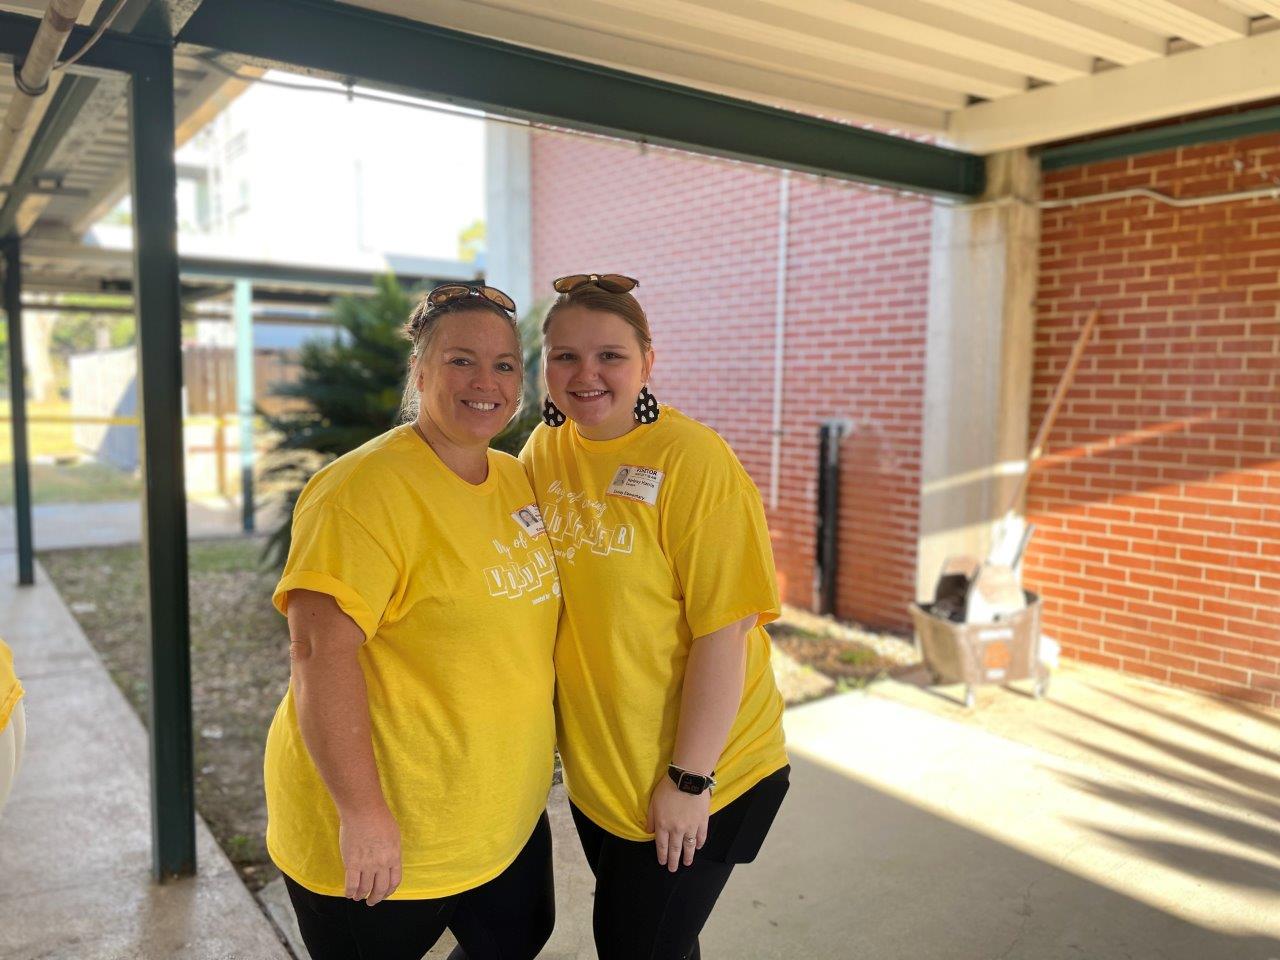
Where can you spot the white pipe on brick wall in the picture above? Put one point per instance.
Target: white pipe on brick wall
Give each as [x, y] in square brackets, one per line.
[779, 334]
[59, 17]
[1145, 193]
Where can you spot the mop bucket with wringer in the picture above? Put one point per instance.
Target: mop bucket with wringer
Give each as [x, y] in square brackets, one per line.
[1004, 651]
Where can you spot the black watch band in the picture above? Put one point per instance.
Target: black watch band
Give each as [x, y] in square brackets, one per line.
[687, 782]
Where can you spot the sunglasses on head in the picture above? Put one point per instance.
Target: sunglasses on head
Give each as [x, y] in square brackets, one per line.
[610, 282]
[452, 292]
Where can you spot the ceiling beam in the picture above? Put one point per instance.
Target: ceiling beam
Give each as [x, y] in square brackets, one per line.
[747, 71]
[1203, 22]
[1223, 126]
[955, 33]
[1242, 71]
[476, 72]
[204, 101]
[54, 257]
[797, 33]
[638, 42]
[1071, 24]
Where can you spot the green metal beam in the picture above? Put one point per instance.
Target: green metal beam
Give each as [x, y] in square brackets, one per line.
[12, 256]
[485, 74]
[155, 242]
[242, 308]
[1227, 126]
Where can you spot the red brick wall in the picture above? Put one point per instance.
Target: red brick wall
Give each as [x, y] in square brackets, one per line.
[1158, 550]
[703, 237]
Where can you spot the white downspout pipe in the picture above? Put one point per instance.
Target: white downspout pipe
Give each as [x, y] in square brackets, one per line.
[31, 81]
[779, 335]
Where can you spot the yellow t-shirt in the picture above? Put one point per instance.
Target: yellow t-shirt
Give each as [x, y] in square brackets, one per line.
[659, 537]
[455, 589]
[10, 688]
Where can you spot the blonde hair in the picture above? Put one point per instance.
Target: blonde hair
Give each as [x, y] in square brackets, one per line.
[622, 305]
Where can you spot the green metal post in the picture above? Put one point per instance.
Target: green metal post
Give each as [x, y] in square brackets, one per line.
[18, 410]
[244, 395]
[156, 296]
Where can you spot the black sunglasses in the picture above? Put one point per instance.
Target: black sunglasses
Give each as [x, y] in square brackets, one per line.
[610, 282]
[451, 292]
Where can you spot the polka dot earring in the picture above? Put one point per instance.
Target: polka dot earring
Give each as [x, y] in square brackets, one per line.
[646, 408]
[551, 414]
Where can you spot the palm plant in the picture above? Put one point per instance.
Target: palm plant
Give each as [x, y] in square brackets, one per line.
[349, 391]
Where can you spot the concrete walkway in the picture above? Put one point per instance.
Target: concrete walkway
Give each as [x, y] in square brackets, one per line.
[75, 838]
[1152, 831]
[59, 526]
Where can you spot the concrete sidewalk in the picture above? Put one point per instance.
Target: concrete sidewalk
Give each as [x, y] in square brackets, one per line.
[911, 834]
[60, 526]
[75, 838]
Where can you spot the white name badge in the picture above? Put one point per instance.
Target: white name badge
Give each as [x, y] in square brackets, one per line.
[530, 521]
[636, 483]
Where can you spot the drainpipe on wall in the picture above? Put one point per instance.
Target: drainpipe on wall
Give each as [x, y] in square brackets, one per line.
[779, 335]
[32, 78]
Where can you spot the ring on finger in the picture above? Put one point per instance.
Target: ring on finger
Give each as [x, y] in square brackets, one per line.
[690, 839]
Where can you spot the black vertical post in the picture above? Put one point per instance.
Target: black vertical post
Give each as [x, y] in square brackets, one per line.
[829, 436]
[18, 409]
[164, 509]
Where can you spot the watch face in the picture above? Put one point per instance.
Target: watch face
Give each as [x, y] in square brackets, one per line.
[692, 783]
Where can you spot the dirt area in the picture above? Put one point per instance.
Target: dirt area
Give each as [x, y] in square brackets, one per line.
[239, 668]
[844, 654]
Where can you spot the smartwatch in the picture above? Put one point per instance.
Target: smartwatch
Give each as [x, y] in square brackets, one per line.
[687, 782]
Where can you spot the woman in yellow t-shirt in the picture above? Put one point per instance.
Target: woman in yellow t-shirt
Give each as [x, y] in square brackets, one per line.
[668, 718]
[408, 766]
[13, 724]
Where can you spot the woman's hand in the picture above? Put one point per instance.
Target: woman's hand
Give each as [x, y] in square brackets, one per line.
[674, 817]
[370, 846]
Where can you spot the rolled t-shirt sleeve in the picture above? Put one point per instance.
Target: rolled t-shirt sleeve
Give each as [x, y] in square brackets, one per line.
[333, 553]
[725, 566]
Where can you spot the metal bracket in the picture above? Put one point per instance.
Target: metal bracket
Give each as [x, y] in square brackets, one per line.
[22, 84]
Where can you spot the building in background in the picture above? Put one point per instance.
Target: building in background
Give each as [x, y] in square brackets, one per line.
[1158, 507]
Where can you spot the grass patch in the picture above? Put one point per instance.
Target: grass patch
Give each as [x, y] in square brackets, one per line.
[858, 657]
[44, 439]
[239, 669]
[86, 482]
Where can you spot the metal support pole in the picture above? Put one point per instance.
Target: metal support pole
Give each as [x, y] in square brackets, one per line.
[244, 395]
[165, 518]
[18, 410]
[828, 553]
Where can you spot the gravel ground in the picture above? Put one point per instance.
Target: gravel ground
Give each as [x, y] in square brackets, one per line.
[239, 669]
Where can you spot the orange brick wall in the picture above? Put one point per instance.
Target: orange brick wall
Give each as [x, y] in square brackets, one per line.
[703, 239]
[1158, 551]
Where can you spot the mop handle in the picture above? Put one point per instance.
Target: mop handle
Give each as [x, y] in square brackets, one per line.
[1059, 397]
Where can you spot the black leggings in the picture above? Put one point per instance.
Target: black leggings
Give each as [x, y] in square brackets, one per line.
[645, 912]
[508, 918]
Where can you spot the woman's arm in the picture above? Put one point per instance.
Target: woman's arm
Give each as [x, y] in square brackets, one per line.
[333, 715]
[709, 702]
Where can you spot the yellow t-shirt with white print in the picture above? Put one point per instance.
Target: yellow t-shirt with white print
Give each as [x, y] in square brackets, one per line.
[454, 587]
[659, 537]
[10, 688]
